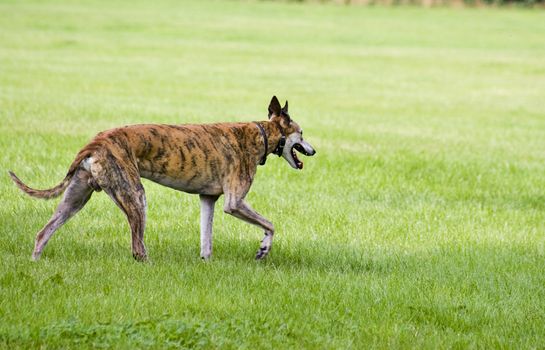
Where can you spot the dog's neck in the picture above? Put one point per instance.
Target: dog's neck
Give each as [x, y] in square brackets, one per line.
[273, 133]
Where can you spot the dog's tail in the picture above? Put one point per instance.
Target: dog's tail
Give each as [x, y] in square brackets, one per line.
[60, 188]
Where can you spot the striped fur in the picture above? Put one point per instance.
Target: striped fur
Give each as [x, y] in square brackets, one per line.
[208, 159]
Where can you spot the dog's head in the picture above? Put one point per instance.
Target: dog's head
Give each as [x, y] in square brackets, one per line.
[292, 132]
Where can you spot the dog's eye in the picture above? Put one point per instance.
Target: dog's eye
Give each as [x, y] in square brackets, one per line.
[301, 132]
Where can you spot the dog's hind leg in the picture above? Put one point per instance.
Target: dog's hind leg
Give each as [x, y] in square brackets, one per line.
[75, 197]
[207, 219]
[122, 184]
[236, 206]
[132, 201]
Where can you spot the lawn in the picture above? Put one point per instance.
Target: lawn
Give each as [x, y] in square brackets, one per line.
[420, 223]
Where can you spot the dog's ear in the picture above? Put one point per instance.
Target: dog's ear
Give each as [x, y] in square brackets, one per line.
[274, 108]
[284, 113]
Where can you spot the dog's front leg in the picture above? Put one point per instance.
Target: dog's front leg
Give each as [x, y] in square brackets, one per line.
[237, 207]
[207, 219]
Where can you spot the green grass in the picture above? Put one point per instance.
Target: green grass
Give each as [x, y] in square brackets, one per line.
[420, 223]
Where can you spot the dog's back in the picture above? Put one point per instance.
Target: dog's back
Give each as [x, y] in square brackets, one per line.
[190, 158]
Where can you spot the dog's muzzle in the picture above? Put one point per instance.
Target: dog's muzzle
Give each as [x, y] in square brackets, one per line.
[303, 148]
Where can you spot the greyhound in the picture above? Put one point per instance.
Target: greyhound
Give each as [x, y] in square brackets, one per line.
[204, 159]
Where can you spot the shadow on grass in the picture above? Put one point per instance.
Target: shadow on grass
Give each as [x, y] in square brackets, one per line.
[529, 202]
[157, 331]
[294, 256]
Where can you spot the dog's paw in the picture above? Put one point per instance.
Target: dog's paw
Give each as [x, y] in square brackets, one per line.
[140, 257]
[36, 255]
[262, 253]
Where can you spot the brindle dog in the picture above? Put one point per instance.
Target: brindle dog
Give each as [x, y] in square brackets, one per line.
[209, 160]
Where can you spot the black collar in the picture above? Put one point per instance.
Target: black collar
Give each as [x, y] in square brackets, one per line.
[279, 148]
[265, 141]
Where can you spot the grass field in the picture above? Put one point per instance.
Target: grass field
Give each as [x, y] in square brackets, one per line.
[420, 223]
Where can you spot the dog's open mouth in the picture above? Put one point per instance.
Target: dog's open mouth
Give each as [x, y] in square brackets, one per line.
[300, 149]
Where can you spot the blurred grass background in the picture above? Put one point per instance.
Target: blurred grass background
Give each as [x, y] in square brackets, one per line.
[419, 224]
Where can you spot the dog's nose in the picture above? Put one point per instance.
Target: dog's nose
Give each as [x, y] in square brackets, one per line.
[312, 153]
